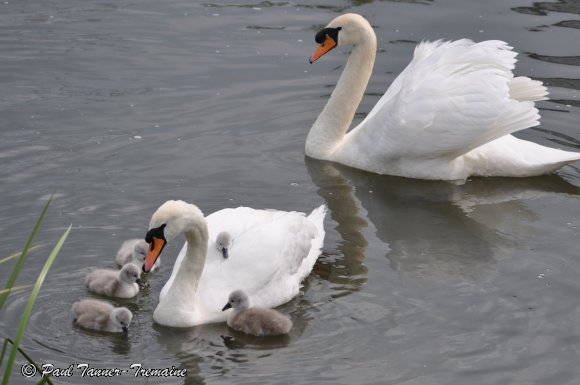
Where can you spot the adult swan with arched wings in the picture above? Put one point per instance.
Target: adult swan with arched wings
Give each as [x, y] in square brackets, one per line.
[448, 115]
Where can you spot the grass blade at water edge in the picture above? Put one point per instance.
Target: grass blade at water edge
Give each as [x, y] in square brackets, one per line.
[31, 300]
[7, 341]
[16, 255]
[20, 261]
[15, 288]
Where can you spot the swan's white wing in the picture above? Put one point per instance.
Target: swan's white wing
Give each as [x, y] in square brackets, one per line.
[265, 263]
[236, 221]
[452, 97]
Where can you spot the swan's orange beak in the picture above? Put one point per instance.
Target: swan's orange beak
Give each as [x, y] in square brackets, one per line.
[155, 248]
[328, 44]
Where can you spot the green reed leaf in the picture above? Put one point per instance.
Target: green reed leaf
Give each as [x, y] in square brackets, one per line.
[20, 261]
[31, 300]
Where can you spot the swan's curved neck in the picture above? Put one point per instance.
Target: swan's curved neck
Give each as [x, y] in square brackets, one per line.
[181, 294]
[331, 125]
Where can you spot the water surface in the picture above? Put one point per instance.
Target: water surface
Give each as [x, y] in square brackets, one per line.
[117, 107]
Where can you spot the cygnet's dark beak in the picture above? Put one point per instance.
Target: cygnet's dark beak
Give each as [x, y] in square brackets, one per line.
[227, 306]
[225, 252]
[125, 330]
[139, 282]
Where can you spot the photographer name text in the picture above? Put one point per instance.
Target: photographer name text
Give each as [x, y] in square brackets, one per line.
[85, 370]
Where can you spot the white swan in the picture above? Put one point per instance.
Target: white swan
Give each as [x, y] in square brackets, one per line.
[274, 252]
[447, 116]
[256, 321]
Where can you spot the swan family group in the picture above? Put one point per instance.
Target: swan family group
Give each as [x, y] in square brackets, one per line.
[449, 115]
[231, 258]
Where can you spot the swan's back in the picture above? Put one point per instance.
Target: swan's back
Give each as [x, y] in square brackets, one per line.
[454, 97]
[234, 221]
[269, 260]
[274, 251]
[237, 221]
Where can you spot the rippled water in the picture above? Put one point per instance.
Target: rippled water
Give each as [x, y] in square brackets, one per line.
[118, 106]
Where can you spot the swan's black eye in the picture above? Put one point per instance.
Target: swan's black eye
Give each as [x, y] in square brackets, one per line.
[331, 32]
[157, 232]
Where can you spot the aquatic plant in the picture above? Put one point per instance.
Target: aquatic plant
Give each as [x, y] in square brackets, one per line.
[20, 258]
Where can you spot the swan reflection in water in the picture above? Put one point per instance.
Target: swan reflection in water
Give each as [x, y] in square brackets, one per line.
[433, 228]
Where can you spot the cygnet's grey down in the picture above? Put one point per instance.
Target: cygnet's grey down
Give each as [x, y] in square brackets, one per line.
[100, 315]
[122, 283]
[223, 241]
[135, 251]
[255, 321]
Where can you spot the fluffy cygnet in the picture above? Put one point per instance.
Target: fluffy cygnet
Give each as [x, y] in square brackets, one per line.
[134, 250]
[255, 321]
[123, 283]
[100, 315]
[223, 241]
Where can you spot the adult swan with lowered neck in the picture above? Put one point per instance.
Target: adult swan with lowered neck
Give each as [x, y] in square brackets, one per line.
[274, 252]
[447, 116]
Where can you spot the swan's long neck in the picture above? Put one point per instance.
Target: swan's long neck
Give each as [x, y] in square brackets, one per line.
[181, 294]
[333, 122]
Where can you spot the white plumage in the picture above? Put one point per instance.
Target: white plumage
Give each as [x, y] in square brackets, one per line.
[274, 251]
[448, 115]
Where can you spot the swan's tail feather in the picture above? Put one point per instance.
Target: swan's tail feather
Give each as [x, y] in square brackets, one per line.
[317, 218]
[515, 117]
[549, 162]
[551, 159]
[318, 213]
[518, 116]
[513, 157]
[524, 89]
